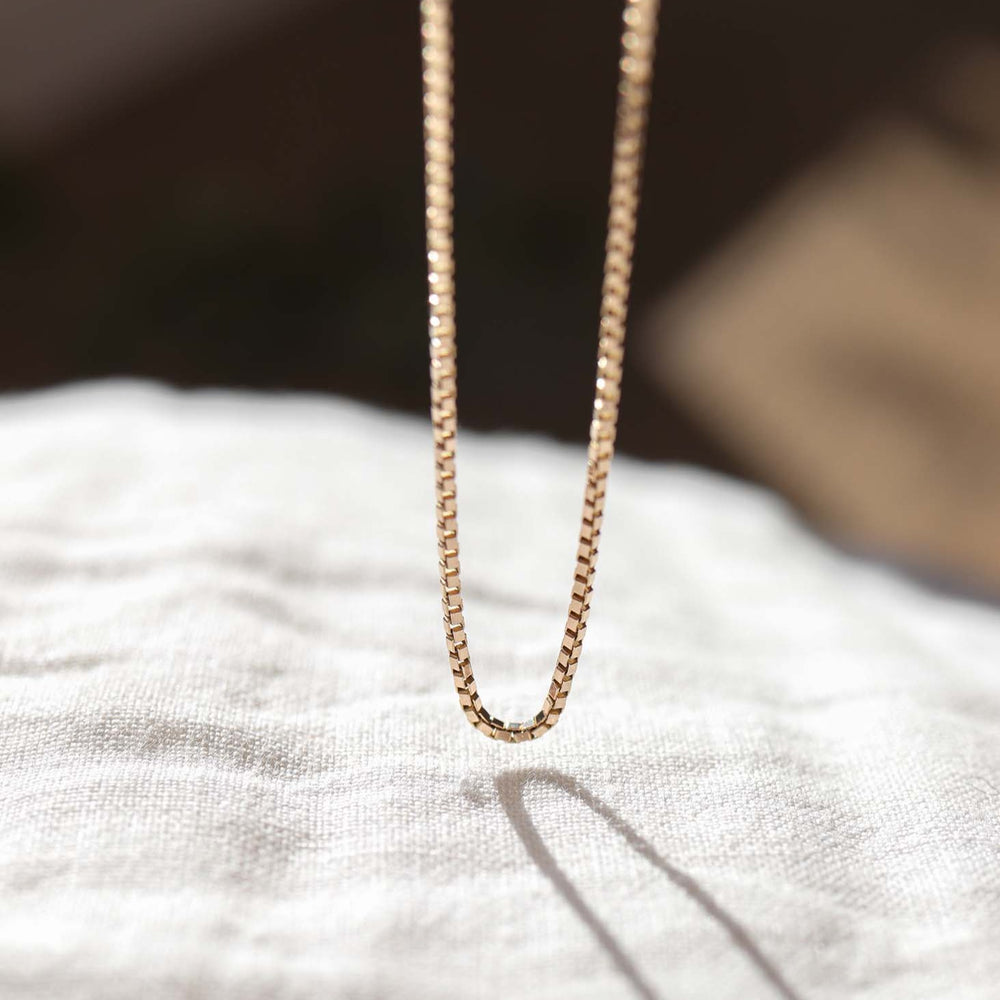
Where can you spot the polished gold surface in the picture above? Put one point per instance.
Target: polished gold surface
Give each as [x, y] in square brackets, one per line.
[636, 70]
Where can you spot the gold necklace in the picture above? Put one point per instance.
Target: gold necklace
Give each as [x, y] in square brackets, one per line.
[635, 78]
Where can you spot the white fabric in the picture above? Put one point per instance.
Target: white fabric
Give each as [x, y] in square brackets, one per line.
[233, 765]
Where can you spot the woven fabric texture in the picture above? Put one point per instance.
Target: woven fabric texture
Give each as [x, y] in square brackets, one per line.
[232, 765]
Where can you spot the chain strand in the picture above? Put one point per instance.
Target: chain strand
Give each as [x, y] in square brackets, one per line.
[635, 79]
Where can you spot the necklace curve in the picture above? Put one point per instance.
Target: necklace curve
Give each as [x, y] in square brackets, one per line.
[639, 22]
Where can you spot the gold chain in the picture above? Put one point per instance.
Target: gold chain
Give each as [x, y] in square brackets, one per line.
[636, 71]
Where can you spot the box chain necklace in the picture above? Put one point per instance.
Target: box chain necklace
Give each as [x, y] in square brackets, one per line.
[635, 78]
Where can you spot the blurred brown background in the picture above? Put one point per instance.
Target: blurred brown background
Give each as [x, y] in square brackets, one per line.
[231, 193]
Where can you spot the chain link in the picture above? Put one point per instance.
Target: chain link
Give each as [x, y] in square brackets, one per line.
[639, 21]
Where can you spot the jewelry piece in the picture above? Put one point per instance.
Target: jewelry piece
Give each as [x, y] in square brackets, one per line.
[635, 79]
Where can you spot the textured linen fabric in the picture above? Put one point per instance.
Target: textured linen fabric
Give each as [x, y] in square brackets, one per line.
[233, 764]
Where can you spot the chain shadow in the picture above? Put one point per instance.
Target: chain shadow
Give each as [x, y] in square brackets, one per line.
[510, 787]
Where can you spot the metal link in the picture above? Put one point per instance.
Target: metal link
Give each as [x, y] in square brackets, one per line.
[636, 72]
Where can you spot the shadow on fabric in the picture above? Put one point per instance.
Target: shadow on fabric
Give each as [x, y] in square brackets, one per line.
[510, 787]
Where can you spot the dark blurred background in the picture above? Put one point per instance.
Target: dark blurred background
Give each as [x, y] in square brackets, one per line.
[231, 193]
